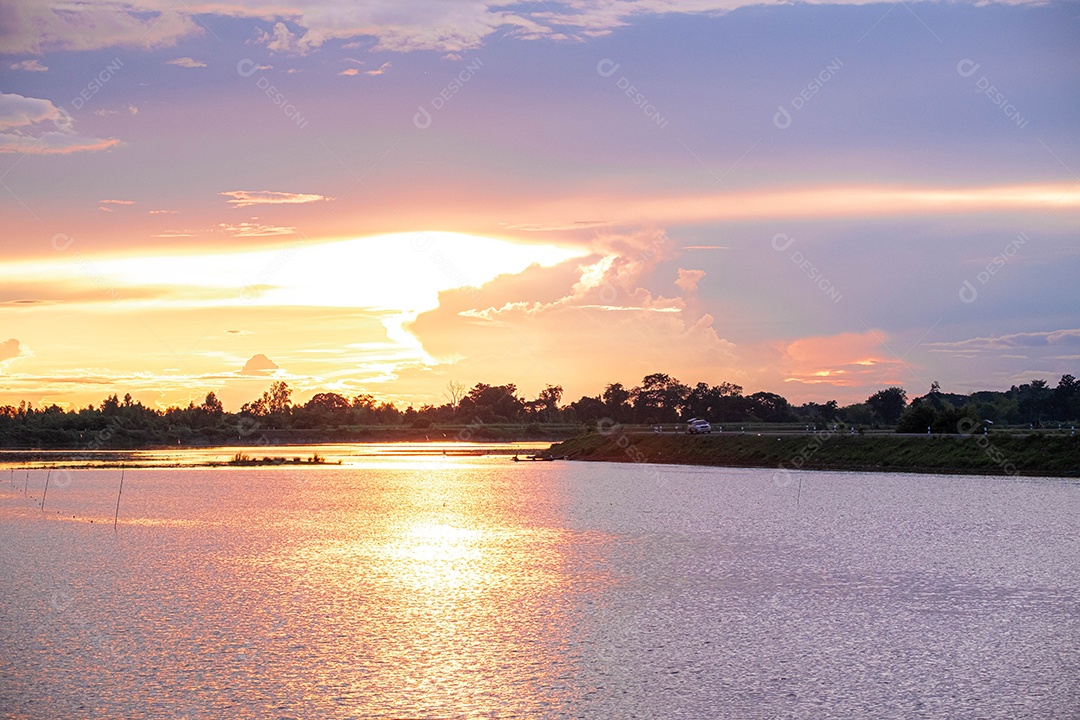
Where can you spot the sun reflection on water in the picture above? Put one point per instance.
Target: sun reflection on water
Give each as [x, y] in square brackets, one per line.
[434, 577]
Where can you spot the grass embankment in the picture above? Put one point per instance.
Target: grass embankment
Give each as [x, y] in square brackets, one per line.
[995, 454]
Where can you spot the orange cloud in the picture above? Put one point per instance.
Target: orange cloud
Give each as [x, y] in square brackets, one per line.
[380, 70]
[259, 365]
[11, 349]
[689, 279]
[847, 360]
[245, 198]
[581, 325]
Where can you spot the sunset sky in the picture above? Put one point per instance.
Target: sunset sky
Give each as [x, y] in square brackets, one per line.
[818, 200]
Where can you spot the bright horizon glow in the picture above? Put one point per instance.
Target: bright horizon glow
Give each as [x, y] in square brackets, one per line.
[399, 271]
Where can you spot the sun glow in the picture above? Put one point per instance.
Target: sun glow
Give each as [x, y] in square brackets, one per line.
[402, 271]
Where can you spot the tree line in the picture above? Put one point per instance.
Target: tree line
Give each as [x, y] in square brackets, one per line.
[658, 399]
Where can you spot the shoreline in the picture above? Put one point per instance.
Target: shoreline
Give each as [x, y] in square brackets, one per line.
[1000, 455]
[996, 454]
[225, 456]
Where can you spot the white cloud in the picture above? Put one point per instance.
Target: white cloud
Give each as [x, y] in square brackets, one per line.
[281, 39]
[1056, 338]
[186, 62]
[29, 66]
[37, 127]
[105, 112]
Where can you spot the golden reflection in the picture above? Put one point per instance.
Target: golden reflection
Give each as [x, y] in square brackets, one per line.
[439, 556]
[443, 576]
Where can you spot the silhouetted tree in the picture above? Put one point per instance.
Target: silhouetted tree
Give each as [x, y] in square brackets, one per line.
[888, 404]
[617, 402]
[660, 398]
[212, 405]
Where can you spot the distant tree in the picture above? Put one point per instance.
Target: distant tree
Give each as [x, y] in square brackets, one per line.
[490, 403]
[588, 409]
[454, 392]
[1035, 401]
[858, 414]
[212, 405]
[770, 407]
[917, 418]
[814, 411]
[660, 398]
[278, 395]
[888, 404]
[617, 402]
[274, 401]
[546, 406]
[109, 406]
[1067, 398]
[327, 403]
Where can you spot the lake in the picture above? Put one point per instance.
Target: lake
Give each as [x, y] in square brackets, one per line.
[409, 585]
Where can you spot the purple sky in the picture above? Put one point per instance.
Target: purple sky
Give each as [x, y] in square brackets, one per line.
[815, 200]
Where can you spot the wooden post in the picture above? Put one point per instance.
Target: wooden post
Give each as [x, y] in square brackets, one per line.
[118, 494]
[49, 475]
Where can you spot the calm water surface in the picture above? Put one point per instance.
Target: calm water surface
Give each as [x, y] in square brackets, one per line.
[478, 587]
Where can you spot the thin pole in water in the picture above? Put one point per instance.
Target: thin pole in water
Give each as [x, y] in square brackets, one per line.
[798, 497]
[26, 482]
[46, 490]
[118, 494]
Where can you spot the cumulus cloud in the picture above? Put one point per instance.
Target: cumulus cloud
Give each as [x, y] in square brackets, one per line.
[281, 39]
[11, 349]
[29, 66]
[36, 126]
[574, 322]
[259, 365]
[688, 280]
[186, 62]
[245, 198]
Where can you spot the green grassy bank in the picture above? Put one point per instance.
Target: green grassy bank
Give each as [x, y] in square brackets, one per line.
[1054, 455]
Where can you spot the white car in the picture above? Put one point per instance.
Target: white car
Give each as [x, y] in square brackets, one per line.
[697, 426]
